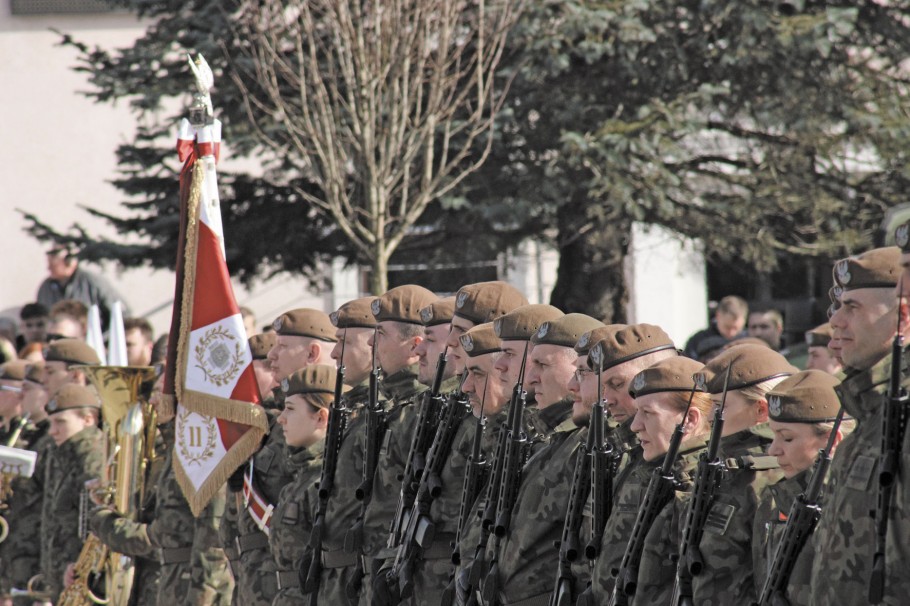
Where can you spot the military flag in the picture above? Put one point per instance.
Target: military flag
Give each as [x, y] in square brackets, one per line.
[219, 418]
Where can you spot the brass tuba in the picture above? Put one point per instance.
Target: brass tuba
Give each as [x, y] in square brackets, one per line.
[129, 425]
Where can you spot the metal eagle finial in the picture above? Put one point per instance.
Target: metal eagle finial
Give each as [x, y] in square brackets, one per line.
[202, 99]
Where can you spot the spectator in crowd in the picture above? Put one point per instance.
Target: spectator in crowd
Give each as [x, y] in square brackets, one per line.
[66, 280]
[69, 319]
[139, 341]
[768, 325]
[729, 322]
[249, 321]
[33, 321]
[820, 355]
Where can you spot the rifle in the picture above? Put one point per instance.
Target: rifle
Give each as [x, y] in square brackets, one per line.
[428, 417]
[603, 471]
[421, 529]
[804, 515]
[515, 454]
[659, 493]
[476, 472]
[376, 424]
[894, 421]
[337, 423]
[490, 503]
[569, 548]
[708, 475]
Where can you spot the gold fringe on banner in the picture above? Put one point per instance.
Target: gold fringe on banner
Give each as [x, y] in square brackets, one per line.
[206, 404]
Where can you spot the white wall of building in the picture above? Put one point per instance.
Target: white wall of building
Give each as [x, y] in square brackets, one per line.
[667, 283]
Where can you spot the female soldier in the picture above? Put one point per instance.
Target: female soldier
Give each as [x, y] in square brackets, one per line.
[308, 395]
[802, 410]
[661, 395]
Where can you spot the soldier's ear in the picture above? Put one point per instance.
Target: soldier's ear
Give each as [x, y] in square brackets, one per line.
[762, 410]
[904, 316]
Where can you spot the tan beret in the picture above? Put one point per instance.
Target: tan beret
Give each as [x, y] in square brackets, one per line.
[486, 301]
[752, 364]
[746, 341]
[314, 379]
[71, 351]
[479, 340]
[902, 237]
[805, 397]
[261, 344]
[36, 372]
[305, 322]
[72, 395]
[522, 323]
[627, 343]
[819, 336]
[565, 331]
[402, 304]
[14, 370]
[438, 312]
[672, 374]
[876, 268]
[594, 336]
[357, 313]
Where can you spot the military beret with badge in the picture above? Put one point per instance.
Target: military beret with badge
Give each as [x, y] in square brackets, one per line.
[71, 352]
[819, 336]
[305, 322]
[357, 313]
[485, 301]
[876, 268]
[805, 397]
[565, 331]
[261, 344]
[480, 340]
[671, 374]
[627, 342]
[72, 396]
[402, 304]
[315, 379]
[522, 323]
[438, 312]
[752, 364]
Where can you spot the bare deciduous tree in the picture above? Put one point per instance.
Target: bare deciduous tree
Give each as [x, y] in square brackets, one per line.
[386, 104]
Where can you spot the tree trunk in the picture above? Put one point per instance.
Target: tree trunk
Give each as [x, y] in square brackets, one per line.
[590, 278]
[379, 269]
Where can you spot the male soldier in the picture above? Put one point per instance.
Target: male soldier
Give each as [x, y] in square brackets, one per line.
[74, 413]
[436, 318]
[12, 374]
[398, 333]
[865, 323]
[820, 357]
[354, 324]
[20, 552]
[260, 345]
[726, 545]
[140, 340]
[62, 361]
[622, 353]
[304, 337]
[194, 569]
[479, 303]
[531, 545]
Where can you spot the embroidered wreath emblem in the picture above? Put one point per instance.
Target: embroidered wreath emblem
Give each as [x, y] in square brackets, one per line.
[219, 356]
[192, 449]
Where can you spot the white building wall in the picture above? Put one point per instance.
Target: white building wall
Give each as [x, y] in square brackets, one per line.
[667, 283]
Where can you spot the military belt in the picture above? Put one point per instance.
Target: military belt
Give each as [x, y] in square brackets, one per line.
[287, 578]
[441, 549]
[538, 600]
[177, 555]
[338, 558]
[251, 541]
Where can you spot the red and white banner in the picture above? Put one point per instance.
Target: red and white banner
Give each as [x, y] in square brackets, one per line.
[220, 420]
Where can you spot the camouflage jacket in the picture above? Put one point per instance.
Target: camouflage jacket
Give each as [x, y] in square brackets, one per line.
[657, 570]
[292, 520]
[20, 553]
[197, 571]
[768, 528]
[629, 491]
[255, 582]
[69, 467]
[401, 390]
[846, 531]
[727, 542]
[527, 554]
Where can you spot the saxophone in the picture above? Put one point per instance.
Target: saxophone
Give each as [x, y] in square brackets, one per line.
[6, 479]
[102, 576]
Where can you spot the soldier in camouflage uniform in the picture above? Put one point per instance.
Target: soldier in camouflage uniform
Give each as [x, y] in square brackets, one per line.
[11, 375]
[801, 410]
[74, 412]
[726, 545]
[662, 393]
[62, 361]
[398, 331]
[527, 552]
[20, 554]
[245, 536]
[473, 304]
[308, 394]
[621, 353]
[865, 323]
[193, 567]
[354, 323]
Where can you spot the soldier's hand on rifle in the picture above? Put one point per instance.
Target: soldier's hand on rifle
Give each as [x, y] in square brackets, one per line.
[385, 589]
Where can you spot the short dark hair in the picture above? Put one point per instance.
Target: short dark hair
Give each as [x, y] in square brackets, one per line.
[33, 310]
[70, 307]
[733, 305]
[140, 324]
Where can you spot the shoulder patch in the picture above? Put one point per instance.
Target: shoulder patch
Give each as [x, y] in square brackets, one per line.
[861, 473]
[719, 518]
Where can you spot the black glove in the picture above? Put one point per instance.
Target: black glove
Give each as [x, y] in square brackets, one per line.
[235, 481]
[385, 589]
